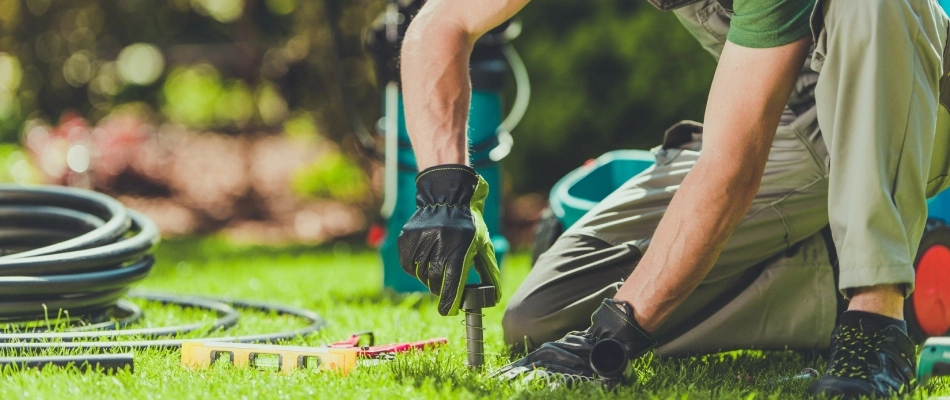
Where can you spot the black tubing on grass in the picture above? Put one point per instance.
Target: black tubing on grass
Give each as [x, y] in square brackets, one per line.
[123, 314]
[133, 343]
[85, 362]
[68, 249]
[74, 253]
[227, 318]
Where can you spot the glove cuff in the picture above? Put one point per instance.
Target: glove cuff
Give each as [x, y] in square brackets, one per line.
[609, 322]
[446, 184]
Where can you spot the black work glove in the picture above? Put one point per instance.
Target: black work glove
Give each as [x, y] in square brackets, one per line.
[447, 233]
[568, 360]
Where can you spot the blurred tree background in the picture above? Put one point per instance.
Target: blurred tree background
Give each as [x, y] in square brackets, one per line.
[605, 75]
[153, 100]
[229, 65]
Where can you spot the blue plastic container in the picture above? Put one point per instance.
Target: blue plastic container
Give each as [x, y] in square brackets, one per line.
[484, 118]
[939, 206]
[580, 190]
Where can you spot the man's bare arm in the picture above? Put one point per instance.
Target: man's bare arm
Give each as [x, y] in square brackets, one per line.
[435, 80]
[748, 94]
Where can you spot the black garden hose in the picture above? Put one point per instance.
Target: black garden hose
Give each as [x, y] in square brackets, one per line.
[74, 253]
[140, 339]
[85, 362]
[68, 249]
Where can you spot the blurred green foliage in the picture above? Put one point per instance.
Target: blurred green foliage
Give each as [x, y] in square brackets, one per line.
[200, 97]
[333, 176]
[605, 75]
[225, 65]
[15, 167]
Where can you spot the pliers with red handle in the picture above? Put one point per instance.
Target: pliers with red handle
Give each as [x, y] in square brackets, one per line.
[369, 350]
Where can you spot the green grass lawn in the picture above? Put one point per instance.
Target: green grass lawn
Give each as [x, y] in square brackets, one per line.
[345, 287]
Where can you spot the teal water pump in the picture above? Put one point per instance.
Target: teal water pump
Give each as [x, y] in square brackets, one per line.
[492, 60]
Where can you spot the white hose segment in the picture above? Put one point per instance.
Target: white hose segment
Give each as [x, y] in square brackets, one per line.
[391, 112]
[391, 163]
[518, 109]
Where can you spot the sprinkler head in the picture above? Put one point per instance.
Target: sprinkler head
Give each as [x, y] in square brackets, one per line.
[474, 298]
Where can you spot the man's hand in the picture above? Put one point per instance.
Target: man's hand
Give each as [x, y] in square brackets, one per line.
[447, 233]
[568, 360]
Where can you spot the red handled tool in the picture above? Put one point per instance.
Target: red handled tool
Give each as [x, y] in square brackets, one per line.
[368, 349]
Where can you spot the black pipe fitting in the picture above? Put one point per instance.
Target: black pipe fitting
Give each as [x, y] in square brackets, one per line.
[609, 360]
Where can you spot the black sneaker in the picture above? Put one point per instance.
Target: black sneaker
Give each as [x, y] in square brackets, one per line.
[868, 359]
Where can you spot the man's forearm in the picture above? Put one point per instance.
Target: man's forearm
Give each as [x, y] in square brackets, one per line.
[434, 69]
[699, 220]
[437, 91]
[745, 103]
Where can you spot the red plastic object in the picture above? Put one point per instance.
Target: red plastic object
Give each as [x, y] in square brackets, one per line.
[354, 340]
[375, 236]
[932, 292]
[371, 351]
[382, 350]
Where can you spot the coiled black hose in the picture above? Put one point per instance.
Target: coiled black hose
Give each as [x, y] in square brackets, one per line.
[163, 338]
[68, 249]
[78, 251]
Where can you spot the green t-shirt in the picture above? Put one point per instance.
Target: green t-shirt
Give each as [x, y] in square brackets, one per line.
[769, 23]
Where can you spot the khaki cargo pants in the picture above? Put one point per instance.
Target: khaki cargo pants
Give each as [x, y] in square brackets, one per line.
[881, 152]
